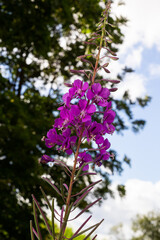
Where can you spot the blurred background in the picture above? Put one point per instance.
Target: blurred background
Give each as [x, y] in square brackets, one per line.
[39, 43]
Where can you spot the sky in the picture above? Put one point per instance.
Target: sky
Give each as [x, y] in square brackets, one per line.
[140, 51]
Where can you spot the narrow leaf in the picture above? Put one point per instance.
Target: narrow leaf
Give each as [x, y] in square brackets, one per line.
[61, 219]
[31, 230]
[85, 230]
[87, 61]
[82, 226]
[81, 168]
[94, 237]
[36, 234]
[52, 185]
[45, 197]
[36, 221]
[43, 215]
[65, 185]
[93, 230]
[62, 164]
[62, 229]
[53, 227]
[80, 199]
[86, 208]
[92, 184]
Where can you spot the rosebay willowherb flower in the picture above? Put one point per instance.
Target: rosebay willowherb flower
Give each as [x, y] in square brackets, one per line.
[75, 126]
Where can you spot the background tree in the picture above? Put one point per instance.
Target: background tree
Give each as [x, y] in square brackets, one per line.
[147, 227]
[32, 55]
[116, 233]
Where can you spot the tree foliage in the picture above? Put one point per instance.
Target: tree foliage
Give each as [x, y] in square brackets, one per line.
[32, 55]
[147, 227]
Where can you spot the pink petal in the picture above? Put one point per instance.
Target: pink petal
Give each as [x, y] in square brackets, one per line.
[86, 118]
[77, 83]
[69, 151]
[85, 168]
[82, 103]
[105, 93]
[72, 92]
[96, 88]
[85, 86]
[90, 94]
[91, 108]
[106, 156]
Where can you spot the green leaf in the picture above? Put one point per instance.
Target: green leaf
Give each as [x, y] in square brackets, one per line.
[31, 230]
[43, 215]
[36, 221]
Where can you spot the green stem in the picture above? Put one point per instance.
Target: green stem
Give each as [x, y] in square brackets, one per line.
[100, 48]
[61, 234]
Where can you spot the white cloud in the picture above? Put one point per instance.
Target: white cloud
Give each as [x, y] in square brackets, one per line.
[143, 22]
[134, 58]
[154, 69]
[141, 197]
[134, 83]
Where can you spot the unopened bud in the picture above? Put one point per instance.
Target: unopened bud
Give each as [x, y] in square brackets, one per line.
[113, 89]
[68, 84]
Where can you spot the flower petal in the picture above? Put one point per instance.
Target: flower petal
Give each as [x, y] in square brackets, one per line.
[90, 94]
[96, 88]
[69, 151]
[77, 83]
[82, 104]
[85, 86]
[91, 108]
[86, 118]
[105, 93]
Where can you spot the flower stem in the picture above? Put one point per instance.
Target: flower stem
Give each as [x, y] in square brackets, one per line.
[99, 51]
[62, 230]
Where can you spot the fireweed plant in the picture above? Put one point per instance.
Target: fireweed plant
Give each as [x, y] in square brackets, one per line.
[75, 126]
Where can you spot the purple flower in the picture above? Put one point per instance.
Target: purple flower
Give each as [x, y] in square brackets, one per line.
[79, 88]
[84, 158]
[94, 132]
[104, 146]
[67, 141]
[101, 156]
[65, 119]
[98, 94]
[52, 138]
[45, 159]
[83, 110]
[66, 99]
[109, 116]
[108, 119]
[109, 128]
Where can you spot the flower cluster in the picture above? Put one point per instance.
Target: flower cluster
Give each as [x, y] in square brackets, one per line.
[80, 103]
